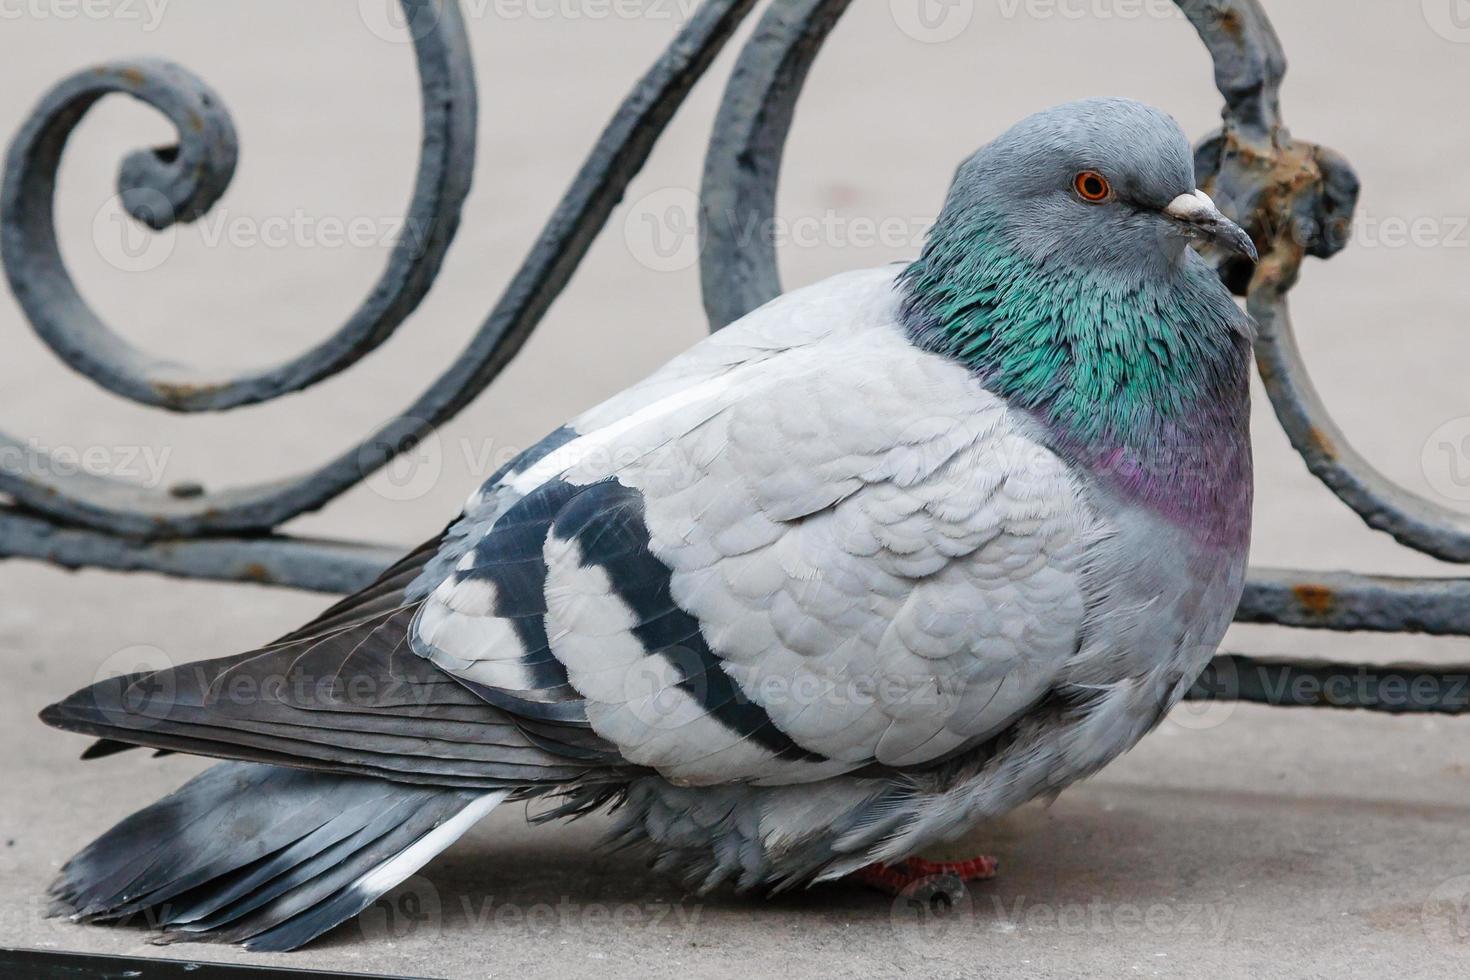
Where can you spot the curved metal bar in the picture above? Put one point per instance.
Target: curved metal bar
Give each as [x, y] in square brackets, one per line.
[131, 511]
[1249, 62]
[743, 166]
[297, 563]
[1412, 520]
[1395, 689]
[1298, 198]
[1346, 602]
[181, 183]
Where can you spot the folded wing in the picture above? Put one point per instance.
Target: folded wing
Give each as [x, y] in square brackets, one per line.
[829, 556]
[803, 549]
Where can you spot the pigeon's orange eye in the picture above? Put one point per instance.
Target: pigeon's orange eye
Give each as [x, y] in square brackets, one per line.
[1092, 187]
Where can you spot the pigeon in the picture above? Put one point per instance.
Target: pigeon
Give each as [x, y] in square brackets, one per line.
[887, 558]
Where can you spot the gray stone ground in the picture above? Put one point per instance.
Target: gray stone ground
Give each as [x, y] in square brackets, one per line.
[1237, 842]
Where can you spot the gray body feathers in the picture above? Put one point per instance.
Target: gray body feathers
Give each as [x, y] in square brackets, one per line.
[808, 598]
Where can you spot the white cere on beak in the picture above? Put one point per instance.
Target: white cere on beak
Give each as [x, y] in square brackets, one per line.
[1195, 206]
[1199, 216]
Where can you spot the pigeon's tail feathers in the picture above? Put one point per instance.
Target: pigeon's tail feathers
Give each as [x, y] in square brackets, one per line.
[264, 856]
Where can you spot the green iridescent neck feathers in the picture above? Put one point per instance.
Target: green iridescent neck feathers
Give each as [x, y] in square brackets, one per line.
[1060, 273]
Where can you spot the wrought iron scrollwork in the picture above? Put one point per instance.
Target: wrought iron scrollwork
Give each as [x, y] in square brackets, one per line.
[1295, 198]
[86, 519]
[180, 183]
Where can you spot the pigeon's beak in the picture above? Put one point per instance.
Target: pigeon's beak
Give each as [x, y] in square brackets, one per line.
[1197, 215]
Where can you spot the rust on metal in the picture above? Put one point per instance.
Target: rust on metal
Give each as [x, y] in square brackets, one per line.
[1232, 25]
[256, 572]
[1318, 600]
[177, 390]
[1321, 443]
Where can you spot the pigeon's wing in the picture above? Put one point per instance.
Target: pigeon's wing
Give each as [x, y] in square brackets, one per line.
[357, 701]
[823, 556]
[346, 692]
[803, 548]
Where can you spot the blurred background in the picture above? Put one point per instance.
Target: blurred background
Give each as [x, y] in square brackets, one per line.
[1314, 838]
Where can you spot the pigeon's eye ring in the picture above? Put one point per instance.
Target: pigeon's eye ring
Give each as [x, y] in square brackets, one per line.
[1092, 187]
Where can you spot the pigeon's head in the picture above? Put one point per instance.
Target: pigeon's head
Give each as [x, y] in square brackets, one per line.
[1102, 183]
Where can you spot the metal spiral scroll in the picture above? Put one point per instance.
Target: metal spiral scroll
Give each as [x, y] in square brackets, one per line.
[85, 519]
[1294, 197]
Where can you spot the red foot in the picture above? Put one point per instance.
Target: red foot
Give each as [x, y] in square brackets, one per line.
[896, 878]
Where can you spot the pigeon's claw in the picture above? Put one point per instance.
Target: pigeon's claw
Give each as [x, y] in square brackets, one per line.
[896, 879]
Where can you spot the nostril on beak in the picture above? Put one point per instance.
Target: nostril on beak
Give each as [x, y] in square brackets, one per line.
[1197, 214]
